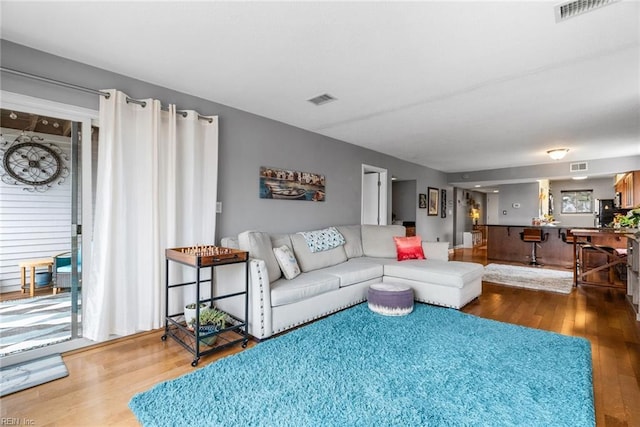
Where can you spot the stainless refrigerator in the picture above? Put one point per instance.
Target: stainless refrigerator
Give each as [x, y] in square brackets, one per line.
[605, 212]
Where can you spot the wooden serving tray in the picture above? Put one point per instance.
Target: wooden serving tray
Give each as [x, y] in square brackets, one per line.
[206, 255]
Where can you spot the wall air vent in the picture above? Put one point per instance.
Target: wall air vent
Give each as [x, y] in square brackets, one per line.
[322, 99]
[570, 9]
[578, 167]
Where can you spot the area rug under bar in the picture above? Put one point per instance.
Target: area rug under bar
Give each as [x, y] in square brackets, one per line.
[529, 278]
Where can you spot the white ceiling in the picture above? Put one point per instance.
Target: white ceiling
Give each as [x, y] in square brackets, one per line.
[455, 86]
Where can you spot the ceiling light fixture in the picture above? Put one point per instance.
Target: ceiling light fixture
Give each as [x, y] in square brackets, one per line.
[558, 153]
[578, 178]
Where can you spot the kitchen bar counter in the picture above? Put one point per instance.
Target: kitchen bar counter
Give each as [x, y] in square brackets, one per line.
[593, 266]
[504, 244]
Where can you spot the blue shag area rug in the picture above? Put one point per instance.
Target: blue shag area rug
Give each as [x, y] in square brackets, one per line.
[434, 367]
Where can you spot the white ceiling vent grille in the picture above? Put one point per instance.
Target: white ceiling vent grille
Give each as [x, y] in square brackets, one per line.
[570, 9]
[322, 99]
[578, 167]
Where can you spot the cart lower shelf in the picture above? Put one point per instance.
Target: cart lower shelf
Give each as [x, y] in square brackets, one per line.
[229, 336]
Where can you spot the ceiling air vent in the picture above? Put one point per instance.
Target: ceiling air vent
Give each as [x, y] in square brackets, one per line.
[570, 9]
[578, 167]
[321, 99]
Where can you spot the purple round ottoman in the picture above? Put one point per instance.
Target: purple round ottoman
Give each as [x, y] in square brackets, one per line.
[390, 299]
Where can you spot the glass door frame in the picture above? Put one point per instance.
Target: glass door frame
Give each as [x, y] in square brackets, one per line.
[80, 181]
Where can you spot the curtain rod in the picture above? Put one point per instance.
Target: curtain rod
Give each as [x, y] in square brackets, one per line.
[107, 95]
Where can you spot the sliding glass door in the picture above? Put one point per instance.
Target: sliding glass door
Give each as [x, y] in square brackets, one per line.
[45, 194]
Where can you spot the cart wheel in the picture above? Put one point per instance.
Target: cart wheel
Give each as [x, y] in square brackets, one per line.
[164, 337]
[194, 363]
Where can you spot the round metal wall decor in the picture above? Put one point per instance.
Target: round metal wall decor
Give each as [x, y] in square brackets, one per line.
[32, 162]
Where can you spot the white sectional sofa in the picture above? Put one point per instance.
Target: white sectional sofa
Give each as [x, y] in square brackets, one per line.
[340, 277]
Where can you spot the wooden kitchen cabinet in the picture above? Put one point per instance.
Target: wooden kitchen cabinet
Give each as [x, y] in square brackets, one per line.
[629, 188]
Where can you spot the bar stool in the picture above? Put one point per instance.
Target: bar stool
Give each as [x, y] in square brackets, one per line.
[569, 238]
[609, 254]
[534, 236]
[585, 248]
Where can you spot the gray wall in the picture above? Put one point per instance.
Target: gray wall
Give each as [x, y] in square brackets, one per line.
[603, 188]
[247, 141]
[555, 170]
[405, 198]
[524, 194]
[527, 196]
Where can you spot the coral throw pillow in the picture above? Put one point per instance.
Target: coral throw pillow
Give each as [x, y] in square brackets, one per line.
[409, 248]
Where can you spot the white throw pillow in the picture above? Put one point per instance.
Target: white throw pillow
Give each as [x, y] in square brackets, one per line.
[287, 262]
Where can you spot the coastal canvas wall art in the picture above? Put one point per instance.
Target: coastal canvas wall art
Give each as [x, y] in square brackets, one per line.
[285, 184]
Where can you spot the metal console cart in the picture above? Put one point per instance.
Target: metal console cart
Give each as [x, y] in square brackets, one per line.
[193, 339]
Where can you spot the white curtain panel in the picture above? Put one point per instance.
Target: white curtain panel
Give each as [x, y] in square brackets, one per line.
[156, 189]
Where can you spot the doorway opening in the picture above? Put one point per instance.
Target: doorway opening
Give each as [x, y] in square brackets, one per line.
[374, 195]
[45, 206]
[404, 202]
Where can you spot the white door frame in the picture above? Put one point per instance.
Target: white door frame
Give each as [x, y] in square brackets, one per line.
[28, 104]
[383, 190]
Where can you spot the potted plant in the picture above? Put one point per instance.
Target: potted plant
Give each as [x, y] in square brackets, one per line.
[190, 313]
[211, 320]
[630, 220]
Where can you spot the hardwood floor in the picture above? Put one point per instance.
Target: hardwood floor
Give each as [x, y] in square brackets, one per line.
[102, 379]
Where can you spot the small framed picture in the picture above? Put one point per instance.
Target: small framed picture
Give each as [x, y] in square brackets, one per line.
[434, 193]
[422, 201]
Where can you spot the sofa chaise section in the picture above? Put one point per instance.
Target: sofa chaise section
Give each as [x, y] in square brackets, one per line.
[446, 283]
